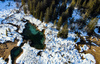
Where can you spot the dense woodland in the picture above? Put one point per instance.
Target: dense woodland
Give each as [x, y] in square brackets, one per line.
[56, 11]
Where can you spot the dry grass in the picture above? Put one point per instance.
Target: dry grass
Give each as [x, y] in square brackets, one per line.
[6, 48]
[95, 51]
[95, 40]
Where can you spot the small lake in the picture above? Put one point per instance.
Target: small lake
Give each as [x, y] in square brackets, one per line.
[15, 52]
[35, 36]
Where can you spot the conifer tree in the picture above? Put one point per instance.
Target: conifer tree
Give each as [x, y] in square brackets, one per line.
[79, 3]
[73, 2]
[30, 6]
[92, 5]
[54, 14]
[23, 3]
[84, 3]
[91, 25]
[47, 15]
[65, 1]
[41, 16]
[55, 22]
[38, 10]
[62, 8]
[51, 11]
[64, 32]
[69, 11]
[25, 9]
[41, 6]
[53, 4]
[45, 3]
[59, 23]
[65, 15]
[33, 10]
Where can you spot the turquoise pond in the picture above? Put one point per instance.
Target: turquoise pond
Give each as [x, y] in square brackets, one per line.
[35, 36]
[29, 33]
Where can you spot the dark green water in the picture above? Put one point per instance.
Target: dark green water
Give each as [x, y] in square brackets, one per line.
[35, 36]
[29, 33]
[15, 52]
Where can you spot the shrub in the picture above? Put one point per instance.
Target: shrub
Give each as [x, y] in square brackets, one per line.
[64, 32]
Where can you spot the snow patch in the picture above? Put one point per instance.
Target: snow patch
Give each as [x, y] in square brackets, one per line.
[2, 61]
[90, 58]
[84, 48]
[96, 31]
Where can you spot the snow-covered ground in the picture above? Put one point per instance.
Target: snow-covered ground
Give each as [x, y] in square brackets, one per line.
[76, 14]
[2, 61]
[8, 15]
[57, 51]
[96, 31]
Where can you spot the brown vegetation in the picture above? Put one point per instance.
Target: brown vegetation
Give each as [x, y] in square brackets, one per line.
[6, 48]
[94, 50]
